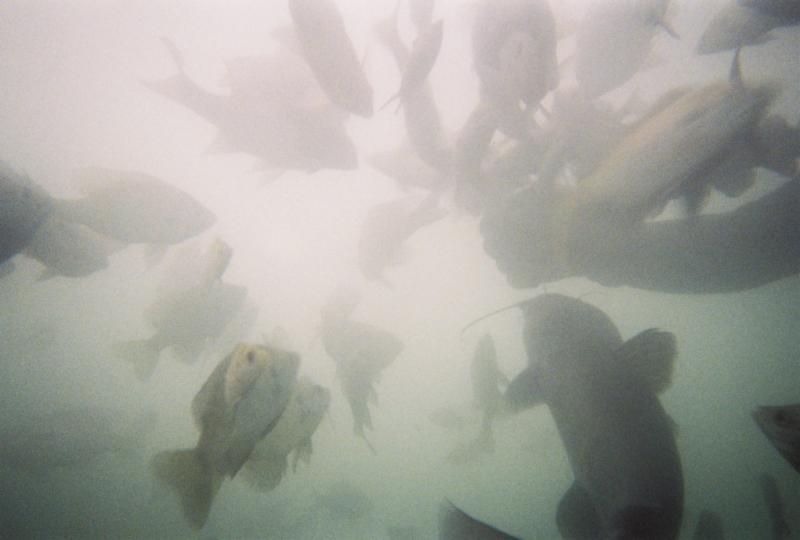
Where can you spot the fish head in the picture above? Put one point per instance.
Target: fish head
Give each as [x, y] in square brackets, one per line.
[249, 362]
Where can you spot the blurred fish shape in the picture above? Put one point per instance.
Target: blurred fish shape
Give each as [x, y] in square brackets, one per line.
[186, 318]
[291, 436]
[386, 228]
[24, 206]
[330, 54]
[361, 352]
[602, 394]
[786, 10]
[71, 437]
[237, 406]
[268, 113]
[736, 26]
[614, 40]
[781, 425]
[134, 207]
[420, 61]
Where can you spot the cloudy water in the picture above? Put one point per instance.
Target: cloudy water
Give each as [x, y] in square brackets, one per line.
[182, 177]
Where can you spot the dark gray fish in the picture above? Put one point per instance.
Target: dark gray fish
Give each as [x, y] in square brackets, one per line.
[709, 527]
[786, 10]
[781, 425]
[602, 393]
[237, 406]
[23, 208]
[134, 207]
[455, 524]
[777, 515]
[330, 54]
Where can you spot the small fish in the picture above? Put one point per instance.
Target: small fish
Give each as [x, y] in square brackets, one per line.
[420, 62]
[781, 425]
[291, 436]
[777, 515]
[330, 54]
[709, 527]
[455, 524]
[239, 404]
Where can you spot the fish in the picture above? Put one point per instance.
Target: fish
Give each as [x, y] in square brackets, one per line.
[455, 524]
[420, 62]
[24, 206]
[602, 393]
[361, 352]
[423, 121]
[736, 26]
[291, 435]
[702, 125]
[68, 249]
[71, 437]
[614, 41]
[781, 425]
[777, 515]
[786, 10]
[134, 207]
[330, 54]
[276, 119]
[514, 50]
[386, 228]
[186, 316]
[487, 397]
[709, 527]
[237, 406]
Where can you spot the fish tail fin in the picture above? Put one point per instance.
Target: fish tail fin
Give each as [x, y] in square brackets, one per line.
[194, 483]
[141, 353]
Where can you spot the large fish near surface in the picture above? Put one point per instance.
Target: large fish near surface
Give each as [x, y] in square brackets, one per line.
[134, 207]
[781, 425]
[702, 126]
[24, 206]
[330, 54]
[185, 318]
[291, 435]
[269, 117]
[386, 228]
[361, 352]
[237, 406]
[602, 393]
[614, 41]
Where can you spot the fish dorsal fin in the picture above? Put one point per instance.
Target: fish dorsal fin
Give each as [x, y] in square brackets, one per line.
[651, 354]
[523, 392]
[735, 75]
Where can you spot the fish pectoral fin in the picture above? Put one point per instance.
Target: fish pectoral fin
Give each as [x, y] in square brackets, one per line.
[576, 516]
[651, 354]
[523, 392]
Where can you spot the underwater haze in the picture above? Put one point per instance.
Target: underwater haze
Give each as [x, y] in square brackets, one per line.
[92, 84]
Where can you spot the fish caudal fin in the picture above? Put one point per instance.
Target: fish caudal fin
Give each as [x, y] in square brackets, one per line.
[193, 482]
[142, 354]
